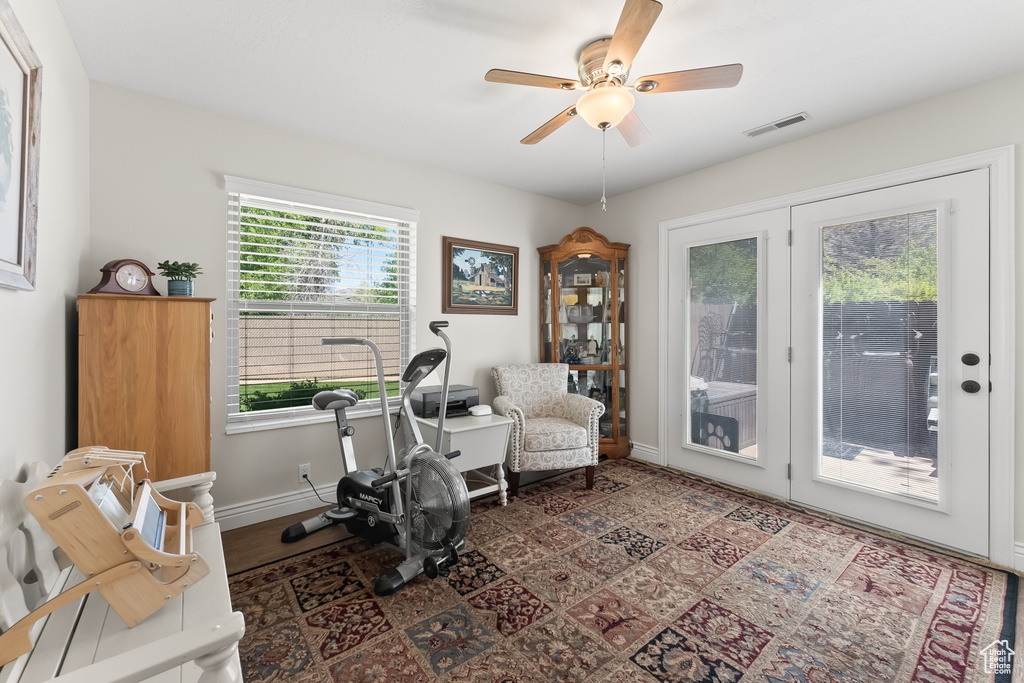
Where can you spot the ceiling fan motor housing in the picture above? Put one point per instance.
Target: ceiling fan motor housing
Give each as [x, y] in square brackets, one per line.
[591, 64]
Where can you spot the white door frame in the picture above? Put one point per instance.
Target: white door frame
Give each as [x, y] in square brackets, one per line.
[1000, 162]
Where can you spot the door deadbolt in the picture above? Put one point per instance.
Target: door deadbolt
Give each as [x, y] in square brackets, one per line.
[970, 386]
[970, 359]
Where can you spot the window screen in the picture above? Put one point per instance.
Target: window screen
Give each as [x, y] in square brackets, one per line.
[303, 266]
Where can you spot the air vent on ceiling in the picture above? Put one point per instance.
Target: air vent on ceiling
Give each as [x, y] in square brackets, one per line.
[775, 125]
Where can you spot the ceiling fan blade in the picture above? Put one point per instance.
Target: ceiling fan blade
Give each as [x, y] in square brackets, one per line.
[635, 22]
[522, 78]
[725, 76]
[633, 130]
[550, 127]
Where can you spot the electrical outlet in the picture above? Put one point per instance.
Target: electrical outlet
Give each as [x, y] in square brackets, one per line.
[304, 473]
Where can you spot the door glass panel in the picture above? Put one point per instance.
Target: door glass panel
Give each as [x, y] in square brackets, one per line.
[723, 340]
[879, 374]
[583, 311]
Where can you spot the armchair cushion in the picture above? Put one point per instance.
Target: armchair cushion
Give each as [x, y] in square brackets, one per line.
[554, 434]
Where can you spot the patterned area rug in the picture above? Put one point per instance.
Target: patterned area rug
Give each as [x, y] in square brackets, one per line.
[652, 576]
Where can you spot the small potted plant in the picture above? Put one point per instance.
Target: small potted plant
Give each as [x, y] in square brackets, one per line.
[179, 277]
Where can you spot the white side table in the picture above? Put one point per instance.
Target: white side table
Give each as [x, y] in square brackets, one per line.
[483, 441]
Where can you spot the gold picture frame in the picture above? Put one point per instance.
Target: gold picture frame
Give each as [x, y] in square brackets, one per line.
[479, 277]
[20, 90]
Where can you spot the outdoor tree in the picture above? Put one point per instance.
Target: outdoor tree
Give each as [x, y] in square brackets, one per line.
[724, 272]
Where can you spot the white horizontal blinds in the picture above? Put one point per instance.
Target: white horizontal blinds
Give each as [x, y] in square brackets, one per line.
[879, 353]
[301, 271]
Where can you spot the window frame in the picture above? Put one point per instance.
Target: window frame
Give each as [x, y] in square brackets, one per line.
[406, 219]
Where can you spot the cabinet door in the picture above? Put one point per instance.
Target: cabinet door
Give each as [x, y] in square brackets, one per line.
[185, 390]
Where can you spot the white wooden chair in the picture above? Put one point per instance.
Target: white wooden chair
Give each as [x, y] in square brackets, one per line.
[193, 637]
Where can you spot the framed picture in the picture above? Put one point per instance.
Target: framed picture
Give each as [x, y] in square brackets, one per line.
[581, 279]
[20, 76]
[479, 278]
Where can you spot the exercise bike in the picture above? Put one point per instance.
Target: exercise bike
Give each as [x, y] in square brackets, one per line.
[422, 507]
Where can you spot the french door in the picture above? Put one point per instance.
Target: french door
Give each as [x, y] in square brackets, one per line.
[729, 329]
[836, 353]
[891, 358]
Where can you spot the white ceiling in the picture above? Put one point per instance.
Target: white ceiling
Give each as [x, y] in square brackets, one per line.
[406, 77]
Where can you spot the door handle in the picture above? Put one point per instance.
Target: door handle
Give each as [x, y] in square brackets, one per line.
[970, 373]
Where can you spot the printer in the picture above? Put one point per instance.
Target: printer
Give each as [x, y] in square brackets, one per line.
[426, 401]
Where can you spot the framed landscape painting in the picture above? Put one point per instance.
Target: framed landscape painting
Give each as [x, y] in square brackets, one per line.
[480, 278]
[20, 74]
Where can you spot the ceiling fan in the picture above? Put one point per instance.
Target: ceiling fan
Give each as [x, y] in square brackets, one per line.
[604, 66]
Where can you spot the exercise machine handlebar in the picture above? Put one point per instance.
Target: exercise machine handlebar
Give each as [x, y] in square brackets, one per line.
[436, 326]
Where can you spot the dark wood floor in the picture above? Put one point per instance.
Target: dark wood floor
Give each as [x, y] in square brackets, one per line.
[258, 544]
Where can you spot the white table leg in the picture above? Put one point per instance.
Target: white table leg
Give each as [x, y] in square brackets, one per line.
[500, 476]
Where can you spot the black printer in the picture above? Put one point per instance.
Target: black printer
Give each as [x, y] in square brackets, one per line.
[426, 401]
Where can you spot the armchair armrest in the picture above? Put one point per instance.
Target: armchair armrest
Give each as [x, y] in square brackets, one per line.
[503, 406]
[582, 410]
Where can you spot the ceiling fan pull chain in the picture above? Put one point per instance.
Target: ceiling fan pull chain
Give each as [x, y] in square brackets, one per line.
[604, 172]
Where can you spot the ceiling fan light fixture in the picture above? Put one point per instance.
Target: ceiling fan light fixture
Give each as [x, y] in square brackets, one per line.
[607, 105]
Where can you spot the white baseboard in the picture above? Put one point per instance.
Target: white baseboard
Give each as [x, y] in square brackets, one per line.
[255, 511]
[644, 452]
[1018, 556]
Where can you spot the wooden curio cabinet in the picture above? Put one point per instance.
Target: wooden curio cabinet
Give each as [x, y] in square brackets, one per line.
[583, 298]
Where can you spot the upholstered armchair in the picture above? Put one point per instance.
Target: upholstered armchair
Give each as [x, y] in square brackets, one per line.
[551, 429]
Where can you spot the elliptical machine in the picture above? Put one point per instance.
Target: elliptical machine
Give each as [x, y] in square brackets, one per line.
[421, 507]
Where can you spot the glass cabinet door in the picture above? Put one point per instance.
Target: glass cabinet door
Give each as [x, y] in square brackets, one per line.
[621, 345]
[584, 311]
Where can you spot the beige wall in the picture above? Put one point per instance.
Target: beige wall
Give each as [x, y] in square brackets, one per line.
[37, 328]
[982, 117]
[158, 193]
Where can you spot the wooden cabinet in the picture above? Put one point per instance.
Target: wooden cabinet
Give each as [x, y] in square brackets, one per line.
[583, 323]
[144, 379]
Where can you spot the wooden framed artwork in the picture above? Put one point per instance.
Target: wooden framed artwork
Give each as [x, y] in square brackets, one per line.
[479, 278]
[20, 76]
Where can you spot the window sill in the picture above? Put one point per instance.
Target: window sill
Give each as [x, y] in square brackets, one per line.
[269, 422]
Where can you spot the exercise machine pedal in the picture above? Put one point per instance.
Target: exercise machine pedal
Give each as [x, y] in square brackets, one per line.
[340, 514]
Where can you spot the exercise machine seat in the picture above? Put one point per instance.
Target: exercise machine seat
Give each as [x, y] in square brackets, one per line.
[335, 400]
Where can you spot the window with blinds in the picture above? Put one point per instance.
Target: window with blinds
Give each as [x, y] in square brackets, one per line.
[304, 266]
